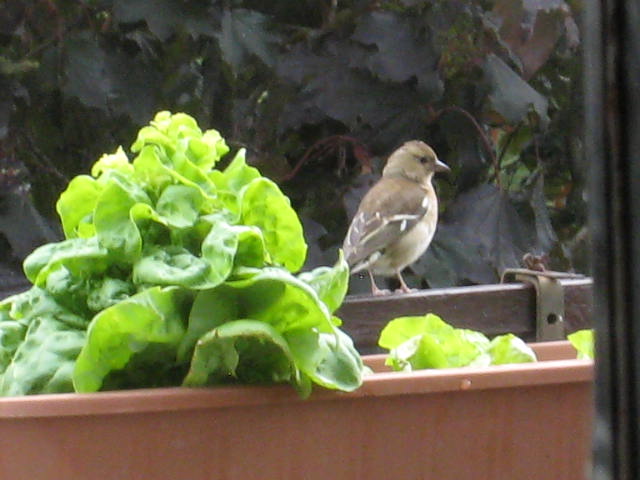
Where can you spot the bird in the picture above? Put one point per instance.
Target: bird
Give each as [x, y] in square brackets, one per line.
[396, 219]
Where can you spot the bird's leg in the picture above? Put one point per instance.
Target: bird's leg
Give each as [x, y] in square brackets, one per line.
[375, 291]
[403, 286]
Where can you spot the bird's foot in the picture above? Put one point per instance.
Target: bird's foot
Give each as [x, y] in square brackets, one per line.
[406, 290]
[379, 292]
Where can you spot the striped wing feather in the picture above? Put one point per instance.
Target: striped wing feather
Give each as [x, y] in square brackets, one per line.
[391, 208]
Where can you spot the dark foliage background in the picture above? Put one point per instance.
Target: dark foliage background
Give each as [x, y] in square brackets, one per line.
[319, 92]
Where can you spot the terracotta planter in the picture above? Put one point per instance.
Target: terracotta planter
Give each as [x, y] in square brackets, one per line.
[530, 421]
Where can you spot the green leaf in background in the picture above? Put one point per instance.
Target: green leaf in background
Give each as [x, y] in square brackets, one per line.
[247, 351]
[12, 332]
[175, 144]
[153, 316]
[401, 329]
[275, 296]
[231, 181]
[291, 308]
[266, 207]
[428, 342]
[69, 290]
[505, 349]
[205, 151]
[584, 342]
[150, 172]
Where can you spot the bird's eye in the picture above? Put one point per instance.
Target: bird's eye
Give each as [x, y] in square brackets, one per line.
[424, 160]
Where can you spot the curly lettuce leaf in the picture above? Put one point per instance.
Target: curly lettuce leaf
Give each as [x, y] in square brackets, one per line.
[171, 265]
[39, 342]
[329, 359]
[117, 161]
[151, 317]
[330, 283]
[107, 292]
[508, 348]
[81, 256]
[115, 229]
[245, 351]
[180, 205]
[237, 174]
[182, 148]
[271, 295]
[76, 204]
[266, 207]
[44, 360]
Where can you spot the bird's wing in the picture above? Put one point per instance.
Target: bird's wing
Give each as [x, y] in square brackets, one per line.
[390, 209]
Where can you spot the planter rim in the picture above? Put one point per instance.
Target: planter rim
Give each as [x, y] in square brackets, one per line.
[379, 384]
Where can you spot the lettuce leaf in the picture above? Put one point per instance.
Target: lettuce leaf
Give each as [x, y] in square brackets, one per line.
[245, 351]
[81, 256]
[420, 342]
[584, 342]
[271, 295]
[153, 316]
[76, 204]
[330, 283]
[329, 359]
[509, 348]
[39, 341]
[266, 207]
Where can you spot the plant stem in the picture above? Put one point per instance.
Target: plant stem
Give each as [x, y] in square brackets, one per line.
[323, 145]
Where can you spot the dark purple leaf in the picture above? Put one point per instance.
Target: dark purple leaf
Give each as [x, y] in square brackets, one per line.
[531, 29]
[108, 80]
[164, 17]
[511, 97]
[243, 34]
[483, 232]
[403, 50]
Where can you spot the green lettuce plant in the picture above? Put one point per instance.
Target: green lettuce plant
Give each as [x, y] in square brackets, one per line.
[420, 342]
[175, 272]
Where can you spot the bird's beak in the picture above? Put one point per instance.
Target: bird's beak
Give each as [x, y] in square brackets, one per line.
[441, 166]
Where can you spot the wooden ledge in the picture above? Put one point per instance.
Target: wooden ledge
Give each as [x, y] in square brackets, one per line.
[491, 309]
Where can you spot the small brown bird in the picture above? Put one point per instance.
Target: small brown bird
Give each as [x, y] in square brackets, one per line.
[397, 218]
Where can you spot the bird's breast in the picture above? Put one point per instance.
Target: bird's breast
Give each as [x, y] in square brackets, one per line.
[409, 247]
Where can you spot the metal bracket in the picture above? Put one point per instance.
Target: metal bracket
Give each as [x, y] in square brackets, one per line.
[550, 323]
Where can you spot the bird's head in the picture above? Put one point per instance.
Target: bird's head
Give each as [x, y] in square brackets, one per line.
[414, 160]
